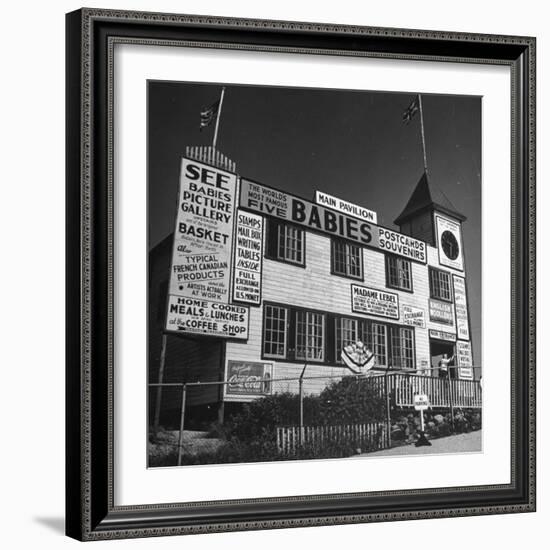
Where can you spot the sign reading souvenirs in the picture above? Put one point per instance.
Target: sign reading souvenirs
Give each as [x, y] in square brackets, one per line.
[344, 206]
[461, 308]
[370, 301]
[441, 312]
[247, 279]
[449, 243]
[198, 316]
[441, 335]
[201, 253]
[464, 360]
[267, 201]
[248, 378]
[413, 316]
[358, 358]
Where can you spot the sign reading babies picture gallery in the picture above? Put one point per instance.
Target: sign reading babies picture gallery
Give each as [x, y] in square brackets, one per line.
[200, 271]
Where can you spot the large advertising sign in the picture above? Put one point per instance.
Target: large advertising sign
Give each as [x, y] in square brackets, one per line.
[449, 243]
[413, 316]
[464, 360]
[198, 316]
[370, 301]
[461, 308]
[248, 378]
[200, 271]
[271, 202]
[247, 278]
[441, 312]
[346, 207]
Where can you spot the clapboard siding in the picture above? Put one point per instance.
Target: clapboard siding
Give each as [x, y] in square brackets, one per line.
[314, 287]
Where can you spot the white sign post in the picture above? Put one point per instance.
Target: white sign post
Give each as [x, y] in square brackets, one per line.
[421, 403]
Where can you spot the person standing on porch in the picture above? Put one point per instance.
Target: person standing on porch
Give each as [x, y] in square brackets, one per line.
[444, 365]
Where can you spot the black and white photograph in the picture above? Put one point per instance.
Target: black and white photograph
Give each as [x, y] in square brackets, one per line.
[314, 273]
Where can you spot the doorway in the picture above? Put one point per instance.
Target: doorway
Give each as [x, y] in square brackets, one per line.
[438, 349]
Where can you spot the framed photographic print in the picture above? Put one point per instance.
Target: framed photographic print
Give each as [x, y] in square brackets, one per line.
[300, 274]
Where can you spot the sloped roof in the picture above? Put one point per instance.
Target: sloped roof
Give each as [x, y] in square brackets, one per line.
[427, 195]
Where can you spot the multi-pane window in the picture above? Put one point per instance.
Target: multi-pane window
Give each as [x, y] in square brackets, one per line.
[347, 259]
[346, 334]
[402, 347]
[275, 321]
[440, 284]
[379, 343]
[399, 273]
[310, 336]
[290, 243]
[285, 242]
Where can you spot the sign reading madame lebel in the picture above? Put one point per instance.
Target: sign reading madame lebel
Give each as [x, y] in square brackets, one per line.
[200, 272]
[267, 201]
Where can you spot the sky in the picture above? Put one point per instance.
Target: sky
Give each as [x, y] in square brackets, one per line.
[349, 143]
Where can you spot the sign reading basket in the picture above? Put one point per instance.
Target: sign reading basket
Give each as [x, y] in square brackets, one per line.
[200, 271]
[371, 301]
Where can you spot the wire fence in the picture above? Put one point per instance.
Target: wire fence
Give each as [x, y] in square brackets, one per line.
[259, 418]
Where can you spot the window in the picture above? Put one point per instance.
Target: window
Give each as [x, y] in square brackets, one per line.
[402, 347]
[347, 259]
[376, 334]
[398, 273]
[310, 336]
[275, 319]
[440, 284]
[285, 243]
[346, 334]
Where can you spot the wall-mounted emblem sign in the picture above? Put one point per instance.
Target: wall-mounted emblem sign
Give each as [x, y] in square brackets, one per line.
[247, 278]
[441, 312]
[449, 243]
[346, 207]
[197, 316]
[371, 301]
[264, 200]
[413, 316]
[461, 308]
[442, 335]
[246, 378]
[464, 360]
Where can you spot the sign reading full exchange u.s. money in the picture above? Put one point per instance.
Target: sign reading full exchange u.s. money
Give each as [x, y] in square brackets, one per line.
[201, 255]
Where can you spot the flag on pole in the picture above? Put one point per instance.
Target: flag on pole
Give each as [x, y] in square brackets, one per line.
[208, 114]
[411, 110]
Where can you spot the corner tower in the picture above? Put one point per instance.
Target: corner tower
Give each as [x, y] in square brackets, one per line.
[430, 216]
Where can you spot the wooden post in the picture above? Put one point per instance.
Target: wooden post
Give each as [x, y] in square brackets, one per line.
[388, 408]
[182, 422]
[218, 119]
[159, 387]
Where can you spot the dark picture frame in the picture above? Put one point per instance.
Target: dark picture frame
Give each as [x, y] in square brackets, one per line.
[90, 510]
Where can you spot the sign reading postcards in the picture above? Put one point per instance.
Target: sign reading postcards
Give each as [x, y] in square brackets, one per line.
[200, 270]
[264, 200]
[247, 279]
[461, 308]
[370, 301]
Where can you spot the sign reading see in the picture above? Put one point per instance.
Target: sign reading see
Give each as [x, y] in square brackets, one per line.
[271, 202]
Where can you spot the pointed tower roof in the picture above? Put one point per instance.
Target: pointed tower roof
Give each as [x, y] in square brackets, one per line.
[427, 195]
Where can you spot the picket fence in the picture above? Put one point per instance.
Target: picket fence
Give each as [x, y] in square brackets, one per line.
[368, 437]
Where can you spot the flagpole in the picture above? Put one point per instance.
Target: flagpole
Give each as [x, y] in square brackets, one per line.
[218, 119]
[422, 133]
